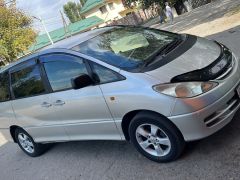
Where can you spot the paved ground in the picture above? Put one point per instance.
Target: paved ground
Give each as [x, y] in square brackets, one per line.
[217, 157]
[198, 16]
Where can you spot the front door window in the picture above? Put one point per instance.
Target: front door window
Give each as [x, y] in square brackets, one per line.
[60, 73]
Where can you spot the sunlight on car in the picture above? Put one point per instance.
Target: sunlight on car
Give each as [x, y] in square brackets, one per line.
[128, 43]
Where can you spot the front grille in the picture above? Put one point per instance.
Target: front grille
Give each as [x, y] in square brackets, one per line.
[220, 115]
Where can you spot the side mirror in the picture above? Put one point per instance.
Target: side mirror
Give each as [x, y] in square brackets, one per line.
[82, 81]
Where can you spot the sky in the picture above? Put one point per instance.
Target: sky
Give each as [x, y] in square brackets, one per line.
[48, 10]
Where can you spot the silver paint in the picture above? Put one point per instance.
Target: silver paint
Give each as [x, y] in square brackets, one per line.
[89, 113]
[203, 53]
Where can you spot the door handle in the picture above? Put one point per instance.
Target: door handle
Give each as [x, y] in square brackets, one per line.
[59, 103]
[46, 104]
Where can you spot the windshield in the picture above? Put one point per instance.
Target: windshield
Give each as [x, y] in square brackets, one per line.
[126, 47]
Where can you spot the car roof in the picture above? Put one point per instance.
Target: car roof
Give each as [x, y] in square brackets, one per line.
[68, 43]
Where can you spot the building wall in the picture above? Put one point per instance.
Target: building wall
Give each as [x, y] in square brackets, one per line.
[131, 19]
[110, 15]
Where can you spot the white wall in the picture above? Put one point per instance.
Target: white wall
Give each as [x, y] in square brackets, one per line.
[111, 14]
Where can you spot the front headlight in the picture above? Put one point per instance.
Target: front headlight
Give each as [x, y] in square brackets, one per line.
[185, 89]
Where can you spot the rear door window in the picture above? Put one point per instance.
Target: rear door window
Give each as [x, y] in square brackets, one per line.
[27, 82]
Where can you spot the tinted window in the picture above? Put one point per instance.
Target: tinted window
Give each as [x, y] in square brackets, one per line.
[27, 82]
[60, 73]
[106, 75]
[126, 47]
[4, 88]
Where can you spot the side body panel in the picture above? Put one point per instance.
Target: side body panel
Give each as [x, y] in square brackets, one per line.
[38, 121]
[7, 118]
[135, 93]
[84, 114]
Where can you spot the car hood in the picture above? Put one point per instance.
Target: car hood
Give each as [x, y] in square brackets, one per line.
[199, 56]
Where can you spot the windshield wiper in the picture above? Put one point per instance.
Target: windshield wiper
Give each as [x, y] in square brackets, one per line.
[170, 46]
[163, 51]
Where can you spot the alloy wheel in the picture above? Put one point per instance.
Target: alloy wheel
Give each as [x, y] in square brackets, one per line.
[26, 143]
[153, 140]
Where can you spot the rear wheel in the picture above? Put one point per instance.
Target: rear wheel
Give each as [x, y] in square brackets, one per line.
[27, 144]
[155, 137]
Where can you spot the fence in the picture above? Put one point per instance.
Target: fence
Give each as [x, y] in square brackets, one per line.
[141, 16]
[198, 3]
[136, 18]
[131, 19]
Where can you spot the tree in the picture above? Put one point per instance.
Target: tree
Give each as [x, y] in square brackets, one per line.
[16, 34]
[72, 11]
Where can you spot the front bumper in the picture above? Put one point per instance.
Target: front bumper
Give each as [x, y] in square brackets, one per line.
[196, 125]
[206, 115]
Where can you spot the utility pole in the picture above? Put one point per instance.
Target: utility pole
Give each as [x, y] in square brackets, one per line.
[64, 25]
[45, 29]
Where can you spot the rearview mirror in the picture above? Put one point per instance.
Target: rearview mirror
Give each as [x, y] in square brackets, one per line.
[82, 81]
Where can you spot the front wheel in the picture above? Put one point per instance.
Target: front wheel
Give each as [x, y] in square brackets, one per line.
[27, 144]
[155, 137]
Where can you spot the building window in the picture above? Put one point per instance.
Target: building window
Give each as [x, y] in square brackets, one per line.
[129, 13]
[103, 9]
[111, 6]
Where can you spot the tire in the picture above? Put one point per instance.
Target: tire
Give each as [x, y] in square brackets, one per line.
[24, 140]
[155, 137]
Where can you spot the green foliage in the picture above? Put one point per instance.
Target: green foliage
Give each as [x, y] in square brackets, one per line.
[16, 34]
[72, 11]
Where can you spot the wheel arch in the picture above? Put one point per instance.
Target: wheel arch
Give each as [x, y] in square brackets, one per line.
[127, 118]
[12, 132]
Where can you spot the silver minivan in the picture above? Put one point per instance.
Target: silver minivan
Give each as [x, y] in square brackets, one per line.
[154, 88]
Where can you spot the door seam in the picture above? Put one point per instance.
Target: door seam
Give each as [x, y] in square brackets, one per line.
[119, 132]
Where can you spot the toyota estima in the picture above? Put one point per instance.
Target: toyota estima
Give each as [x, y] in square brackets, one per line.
[153, 88]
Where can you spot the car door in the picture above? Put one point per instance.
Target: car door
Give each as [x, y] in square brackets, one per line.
[7, 117]
[83, 112]
[30, 96]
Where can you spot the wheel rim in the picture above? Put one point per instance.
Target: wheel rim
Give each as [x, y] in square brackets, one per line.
[153, 140]
[26, 142]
